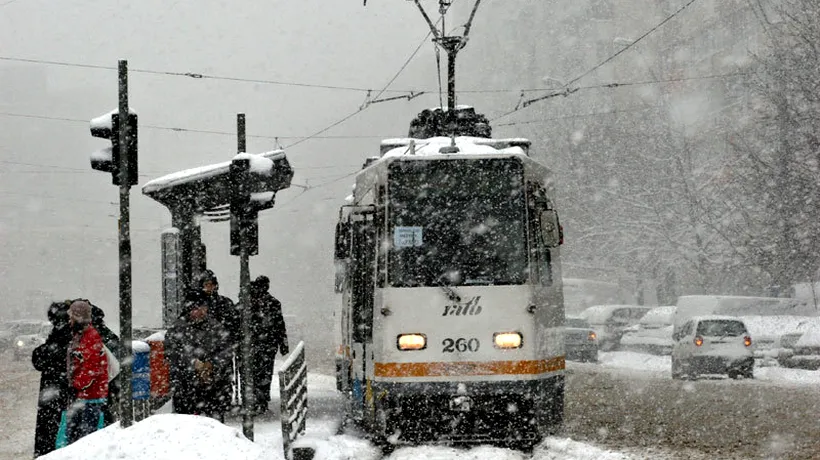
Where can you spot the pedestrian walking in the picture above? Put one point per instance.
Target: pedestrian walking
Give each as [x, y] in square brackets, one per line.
[200, 360]
[87, 374]
[268, 335]
[50, 359]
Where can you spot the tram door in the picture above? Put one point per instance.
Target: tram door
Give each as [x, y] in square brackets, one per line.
[362, 279]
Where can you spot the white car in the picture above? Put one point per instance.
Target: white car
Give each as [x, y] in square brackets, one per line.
[610, 322]
[652, 334]
[10, 330]
[24, 344]
[712, 345]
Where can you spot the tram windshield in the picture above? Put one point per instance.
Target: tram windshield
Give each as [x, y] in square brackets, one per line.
[457, 222]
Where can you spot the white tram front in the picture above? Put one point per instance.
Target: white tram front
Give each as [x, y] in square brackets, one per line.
[450, 325]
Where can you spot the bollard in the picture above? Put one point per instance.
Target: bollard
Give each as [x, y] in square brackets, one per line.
[160, 370]
[141, 380]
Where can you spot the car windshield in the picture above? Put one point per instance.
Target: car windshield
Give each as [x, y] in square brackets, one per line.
[721, 328]
[576, 322]
[457, 222]
[627, 315]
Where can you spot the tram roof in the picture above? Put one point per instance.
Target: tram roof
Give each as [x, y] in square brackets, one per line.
[431, 149]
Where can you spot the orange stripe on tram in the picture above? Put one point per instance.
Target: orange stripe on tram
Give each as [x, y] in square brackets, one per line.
[441, 369]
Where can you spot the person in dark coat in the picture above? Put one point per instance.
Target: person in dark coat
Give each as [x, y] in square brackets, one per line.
[50, 359]
[228, 314]
[200, 360]
[268, 336]
[221, 308]
[112, 342]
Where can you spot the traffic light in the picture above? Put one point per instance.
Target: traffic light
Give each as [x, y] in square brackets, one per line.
[248, 197]
[108, 159]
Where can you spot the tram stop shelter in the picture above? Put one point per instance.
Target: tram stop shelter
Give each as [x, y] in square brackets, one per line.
[191, 195]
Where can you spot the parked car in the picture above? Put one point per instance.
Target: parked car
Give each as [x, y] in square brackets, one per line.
[800, 350]
[775, 335]
[652, 334]
[712, 345]
[610, 322]
[9, 331]
[24, 344]
[580, 340]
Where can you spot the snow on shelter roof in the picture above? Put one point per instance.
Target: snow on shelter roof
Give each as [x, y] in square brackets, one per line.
[207, 186]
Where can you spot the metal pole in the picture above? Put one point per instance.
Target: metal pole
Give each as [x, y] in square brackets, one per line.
[240, 132]
[248, 399]
[451, 79]
[126, 355]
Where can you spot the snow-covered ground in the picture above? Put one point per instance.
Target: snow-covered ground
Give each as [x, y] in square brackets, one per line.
[180, 437]
[170, 436]
[660, 367]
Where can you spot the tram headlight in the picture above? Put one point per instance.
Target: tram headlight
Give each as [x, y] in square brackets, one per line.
[507, 340]
[411, 342]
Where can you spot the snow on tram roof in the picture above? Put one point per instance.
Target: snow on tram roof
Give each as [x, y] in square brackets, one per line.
[466, 146]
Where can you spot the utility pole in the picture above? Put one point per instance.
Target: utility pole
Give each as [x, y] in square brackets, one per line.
[242, 169]
[120, 127]
[126, 354]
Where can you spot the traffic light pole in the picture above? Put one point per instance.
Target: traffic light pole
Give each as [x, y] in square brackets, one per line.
[248, 399]
[126, 402]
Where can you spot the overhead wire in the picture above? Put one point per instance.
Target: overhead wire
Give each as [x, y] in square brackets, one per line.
[194, 75]
[184, 130]
[366, 106]
[567, 86]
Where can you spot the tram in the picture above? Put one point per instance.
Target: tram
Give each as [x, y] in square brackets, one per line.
[449, 327]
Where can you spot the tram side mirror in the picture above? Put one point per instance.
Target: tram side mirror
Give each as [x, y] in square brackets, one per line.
[551, 228]
[342, 247]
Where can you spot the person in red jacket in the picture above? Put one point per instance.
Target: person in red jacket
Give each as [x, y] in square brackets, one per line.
[87, 374]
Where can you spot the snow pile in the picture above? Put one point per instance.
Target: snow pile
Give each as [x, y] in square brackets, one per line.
[635, 361]
[164, 437]
[551, 449]
[567, 449]
[783, 375]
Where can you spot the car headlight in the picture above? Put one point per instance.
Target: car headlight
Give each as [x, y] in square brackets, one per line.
[20, 343]
[507, 340]
[411, 342]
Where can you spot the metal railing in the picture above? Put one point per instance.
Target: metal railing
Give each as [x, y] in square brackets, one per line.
[293, 397]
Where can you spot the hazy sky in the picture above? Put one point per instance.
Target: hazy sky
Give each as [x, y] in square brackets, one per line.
[58, 218]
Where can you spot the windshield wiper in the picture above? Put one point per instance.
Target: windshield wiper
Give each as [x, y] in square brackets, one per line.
[451, 293]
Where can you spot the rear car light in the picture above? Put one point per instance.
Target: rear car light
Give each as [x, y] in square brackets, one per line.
[592, 335]
[698, 341]
[747, 341]
[411, 342]
[507, 340]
